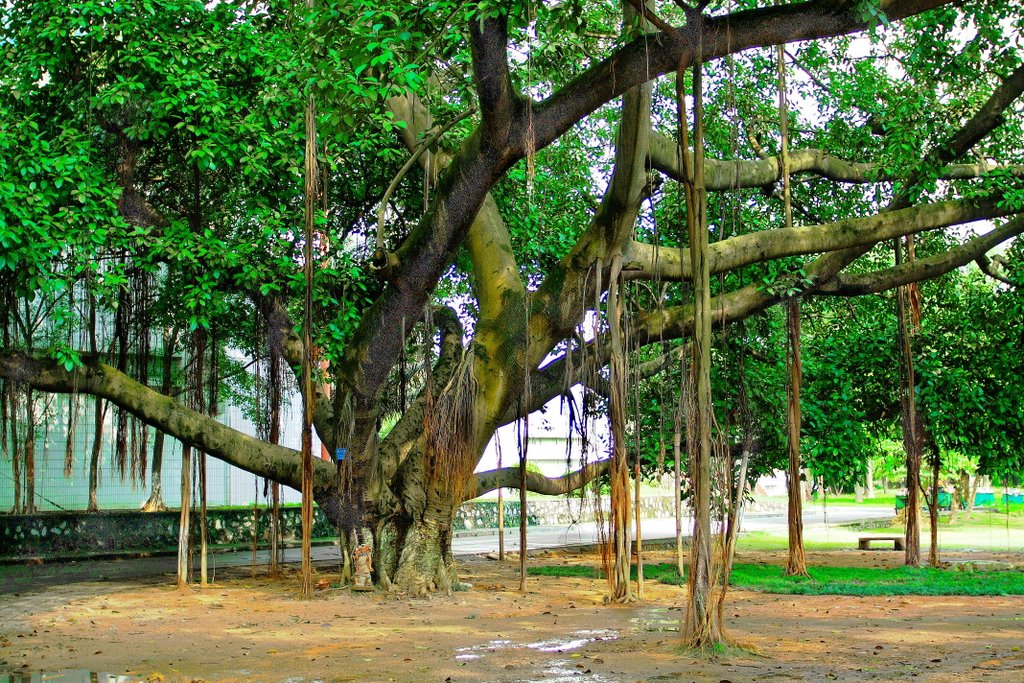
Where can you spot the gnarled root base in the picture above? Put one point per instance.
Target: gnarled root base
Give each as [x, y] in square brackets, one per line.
[426, 563]
[415, 559]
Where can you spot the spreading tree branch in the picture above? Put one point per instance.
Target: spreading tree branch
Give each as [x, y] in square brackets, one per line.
[429, 248]
[992, 268]
[726, 175]
[648, 57]
[644, 261]
[499, 101]
[925, 268]
[162, 412]
[509, 478]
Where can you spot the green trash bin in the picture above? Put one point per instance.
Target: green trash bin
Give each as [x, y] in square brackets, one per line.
[984, 499]
[945, 501]
[901, 501]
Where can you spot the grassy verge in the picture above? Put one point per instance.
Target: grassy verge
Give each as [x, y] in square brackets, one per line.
[837, 580]
[986, 529]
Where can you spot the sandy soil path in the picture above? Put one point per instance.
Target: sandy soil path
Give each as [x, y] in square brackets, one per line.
[255, 629]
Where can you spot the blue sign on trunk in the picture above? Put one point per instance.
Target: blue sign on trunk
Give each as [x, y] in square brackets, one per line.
[339, 453]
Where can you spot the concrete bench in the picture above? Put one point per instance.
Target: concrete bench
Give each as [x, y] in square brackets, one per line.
[864, 542]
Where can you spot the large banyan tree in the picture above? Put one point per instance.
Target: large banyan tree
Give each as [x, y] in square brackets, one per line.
[489, 173]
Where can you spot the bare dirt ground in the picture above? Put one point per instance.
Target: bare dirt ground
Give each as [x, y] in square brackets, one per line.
[255, 629]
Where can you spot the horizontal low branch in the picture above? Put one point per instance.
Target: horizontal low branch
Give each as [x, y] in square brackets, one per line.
[643, 261]
[192, 428]
[993, 268]
[922, 269]
[723, 175]
[509, 478]
[822, 277]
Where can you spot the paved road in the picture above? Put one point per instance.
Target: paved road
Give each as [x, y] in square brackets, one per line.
[19, 578]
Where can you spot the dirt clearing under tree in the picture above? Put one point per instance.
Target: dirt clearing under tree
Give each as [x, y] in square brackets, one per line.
[256, 629]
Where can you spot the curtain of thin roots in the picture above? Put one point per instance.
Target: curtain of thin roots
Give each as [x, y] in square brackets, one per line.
[449, 424]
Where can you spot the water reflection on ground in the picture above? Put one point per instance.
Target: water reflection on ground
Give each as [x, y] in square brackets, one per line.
[552, 671]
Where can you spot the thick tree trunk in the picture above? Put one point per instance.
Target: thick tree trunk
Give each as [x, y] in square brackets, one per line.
[29, 442]
[412, 555]
[155, 503]
[425, 560]
[911, 428]
[933, 507]
[184, 520]
[156, 497]
[796, 564]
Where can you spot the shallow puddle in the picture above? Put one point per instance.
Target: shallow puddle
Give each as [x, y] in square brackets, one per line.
[553, 671]
[654, 619]
[563, 670]
[572, 641]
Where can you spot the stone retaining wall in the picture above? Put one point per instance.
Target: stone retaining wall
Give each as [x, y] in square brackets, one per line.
[84, 534]
[54, 535]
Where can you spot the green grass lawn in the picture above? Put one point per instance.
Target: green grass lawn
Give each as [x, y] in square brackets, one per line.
[985, 529]
[837, 580]
[888, 500]
[839, 538]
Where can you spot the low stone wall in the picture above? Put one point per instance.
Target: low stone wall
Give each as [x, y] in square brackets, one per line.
[84, 534]
[548, 512]
[55, 535]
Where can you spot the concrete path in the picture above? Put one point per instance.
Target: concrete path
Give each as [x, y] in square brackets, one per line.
[160, 569]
